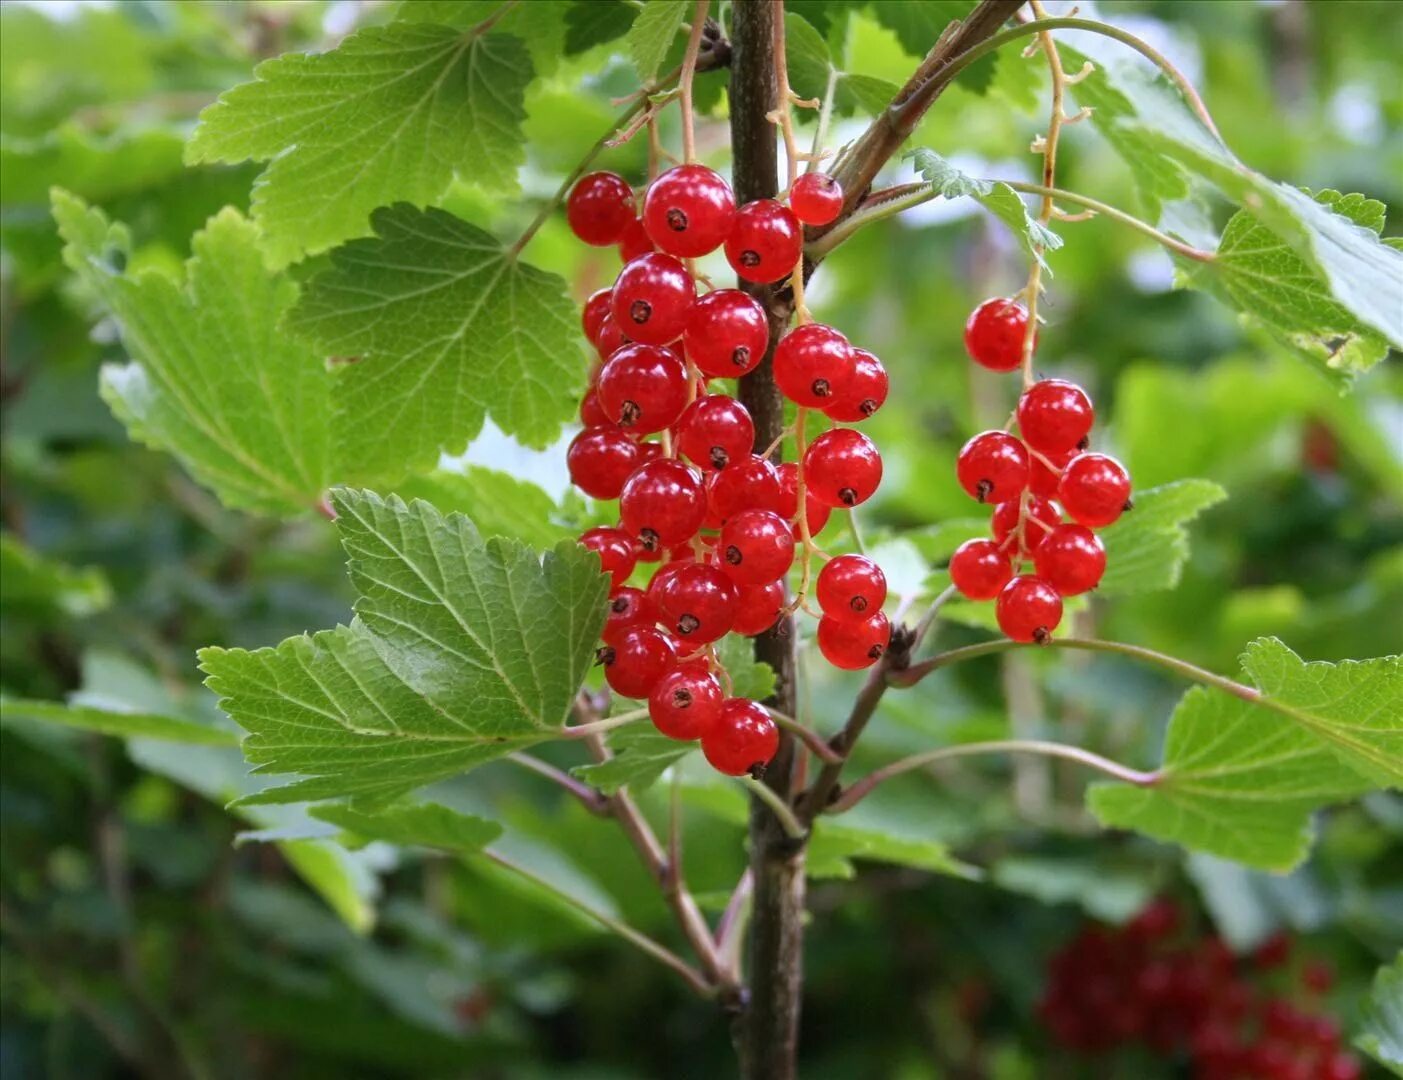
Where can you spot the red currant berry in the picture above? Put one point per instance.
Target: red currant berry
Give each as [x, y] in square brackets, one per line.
[599, 208]
[993, 467]
[1094, 489]
[629, 608]
[1043, 480]
[685, 704]
[663, 575]
[615, 550]
[698, 603]
[592, 413]
[715, 431]
[814, 365]
[611, 339]
[865, 392]
[663, 504]
[635, 241]
[980, 569]
[788, 505]
[592, 316]
[765, 241]
[600, 460]
[635, 665]
[851, 587]
[750, 482]
[842, 467]
[853, 644]
[727, 334]
[994, 334]
[756, 546]
[1054, 416]
[643, 388]
[1041, 518]
[742, 739]
[816, 199]
[1070, 559]
[758, 607]
[652, 297]
[1028, 609]
[1341, 1066]
[688, 211]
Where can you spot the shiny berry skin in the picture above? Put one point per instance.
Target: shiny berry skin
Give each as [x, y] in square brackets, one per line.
[629, 608]
[1094, 489]
[653, 296]
[698, 603]
[1041, 518]
[663, 576]
[726, 334]
[1341, 1066]
[748, 483]
[635, 241]
[853, 644]
[758, 607]
[611, 339]
[599, 208]
[788, 505]
[756, 546]
[1071, 559]
[765, 241]
[980, 569]
[742, 739]
[1043, 480]
[816, 199]
[662, 504]
[592, 413]
[814, 365]
[842, 467]
[1054, 416]
[600, 460]
[1028, 609]
[994, 334]
[685, 704]
[615, 549]
[993, 467]
[865, 392]
[635, 665]
[592, 315]
[688, 211]
[643, 388]
[714, 431]
[851, 587]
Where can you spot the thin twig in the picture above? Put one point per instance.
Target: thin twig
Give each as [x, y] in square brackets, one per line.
[731, 927]
[598, 727]
[788, 822]
[862, 788]
[1135, 223]
[807, 735]
[689, 67]
[928, 619]
[594, 801]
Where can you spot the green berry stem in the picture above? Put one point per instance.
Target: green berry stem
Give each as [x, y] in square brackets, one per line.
[787, 821]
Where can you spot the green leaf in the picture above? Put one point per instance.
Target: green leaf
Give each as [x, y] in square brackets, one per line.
[641, 756]
[462, 651]
[33, 584]
[392, 113]
[750, 678]
[212, 381]
[995, 196]
[1258, 272]
[1105, 887]
[1146, 549]
[91, 166]
[1241, 780]
[811, 64]
[919, 26]
[1381, 1032]
[116, 722]
[595, 22]
[416, 825]
[860, 834]
[1343, 281]
[498, 503]
[539, 23]
[448, 327]
[652, 34]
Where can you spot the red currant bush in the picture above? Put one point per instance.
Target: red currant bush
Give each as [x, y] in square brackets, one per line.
[688, 211]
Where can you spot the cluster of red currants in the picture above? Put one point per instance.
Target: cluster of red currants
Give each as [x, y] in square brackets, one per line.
[1021, 477]
[1149, 983]
[679, 453]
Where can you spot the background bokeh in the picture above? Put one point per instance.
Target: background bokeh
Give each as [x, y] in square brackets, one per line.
[137, 928]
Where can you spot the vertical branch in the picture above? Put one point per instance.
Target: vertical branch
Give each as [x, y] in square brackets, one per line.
[767, 1033]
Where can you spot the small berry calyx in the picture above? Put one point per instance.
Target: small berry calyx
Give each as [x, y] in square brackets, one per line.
[816, 199]
[851, 587]
[994, 334]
